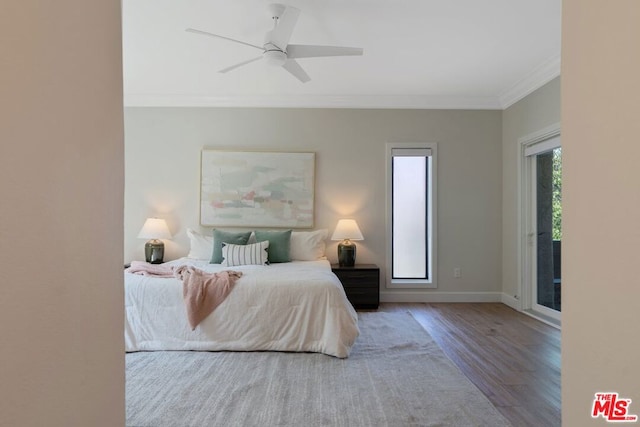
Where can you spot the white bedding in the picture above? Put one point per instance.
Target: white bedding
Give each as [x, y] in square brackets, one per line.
[294, 306]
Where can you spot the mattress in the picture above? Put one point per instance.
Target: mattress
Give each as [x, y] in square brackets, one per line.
[296, 306]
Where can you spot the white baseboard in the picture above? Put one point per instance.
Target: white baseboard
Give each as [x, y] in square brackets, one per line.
[441, 297]
[511, 301]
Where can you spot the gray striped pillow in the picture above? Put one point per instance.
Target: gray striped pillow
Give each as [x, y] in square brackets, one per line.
[254, 254]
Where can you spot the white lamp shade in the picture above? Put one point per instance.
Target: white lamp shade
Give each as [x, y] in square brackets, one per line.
[347, 229]
[154, 228]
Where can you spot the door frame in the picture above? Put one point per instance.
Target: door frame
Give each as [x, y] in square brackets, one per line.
[543, 139]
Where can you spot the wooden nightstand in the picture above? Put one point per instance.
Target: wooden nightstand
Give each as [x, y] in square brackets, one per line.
[361, 284]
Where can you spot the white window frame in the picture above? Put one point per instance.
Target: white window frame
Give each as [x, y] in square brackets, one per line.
[431, 282]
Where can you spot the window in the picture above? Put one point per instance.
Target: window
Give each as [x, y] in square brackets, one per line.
[411, 190]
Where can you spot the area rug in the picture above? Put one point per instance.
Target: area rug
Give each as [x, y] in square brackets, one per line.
[396, 376]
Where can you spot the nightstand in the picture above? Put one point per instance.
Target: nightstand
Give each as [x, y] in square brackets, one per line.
[361, 283]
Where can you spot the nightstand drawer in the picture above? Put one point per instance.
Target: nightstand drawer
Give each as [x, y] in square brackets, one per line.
[358, 278]
[363, 296]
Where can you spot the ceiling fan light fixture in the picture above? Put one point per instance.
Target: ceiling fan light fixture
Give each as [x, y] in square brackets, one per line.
[275, 57]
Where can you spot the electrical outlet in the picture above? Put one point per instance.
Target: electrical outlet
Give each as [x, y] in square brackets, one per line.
[457, 272]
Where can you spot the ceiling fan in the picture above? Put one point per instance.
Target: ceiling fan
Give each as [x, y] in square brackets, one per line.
[276, 49]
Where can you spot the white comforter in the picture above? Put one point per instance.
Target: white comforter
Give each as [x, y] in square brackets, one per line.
[295, 306]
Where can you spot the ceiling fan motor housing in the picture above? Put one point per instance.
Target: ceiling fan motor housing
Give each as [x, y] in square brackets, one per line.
[275, 57]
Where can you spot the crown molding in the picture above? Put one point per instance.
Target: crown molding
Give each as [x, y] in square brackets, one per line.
[538, 77]
[317, 101]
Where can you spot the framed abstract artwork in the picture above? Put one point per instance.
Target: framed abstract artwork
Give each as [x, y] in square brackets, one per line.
[257, 189]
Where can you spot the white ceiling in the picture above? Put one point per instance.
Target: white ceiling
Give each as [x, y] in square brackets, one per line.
[483, 54]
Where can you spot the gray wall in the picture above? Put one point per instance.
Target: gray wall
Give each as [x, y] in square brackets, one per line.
[531, 114]
[163, 159]
[61, 188]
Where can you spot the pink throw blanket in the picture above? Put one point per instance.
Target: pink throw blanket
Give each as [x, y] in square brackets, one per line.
[146, 269]
[203, 292]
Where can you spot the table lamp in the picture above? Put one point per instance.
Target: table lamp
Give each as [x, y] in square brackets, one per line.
[347, 230]
[154, 229]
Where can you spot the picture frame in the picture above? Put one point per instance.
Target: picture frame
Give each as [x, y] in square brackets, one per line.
[257, 189]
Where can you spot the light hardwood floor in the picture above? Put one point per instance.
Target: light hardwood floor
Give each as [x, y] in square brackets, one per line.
[512, 358]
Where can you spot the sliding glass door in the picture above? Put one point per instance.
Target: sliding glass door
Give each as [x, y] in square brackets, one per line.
[548, 210]
[543, 206]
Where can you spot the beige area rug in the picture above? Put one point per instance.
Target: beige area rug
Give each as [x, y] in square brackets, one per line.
[396, 376]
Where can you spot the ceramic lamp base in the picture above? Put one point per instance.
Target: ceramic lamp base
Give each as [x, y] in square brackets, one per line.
[346, 254]
[154, 251]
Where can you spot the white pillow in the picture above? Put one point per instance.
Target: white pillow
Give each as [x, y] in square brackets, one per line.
[201, 246]
[254, 254]
[308, 245]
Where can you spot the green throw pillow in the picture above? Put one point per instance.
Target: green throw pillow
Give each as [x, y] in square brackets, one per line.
[220, 237]
[279, 244]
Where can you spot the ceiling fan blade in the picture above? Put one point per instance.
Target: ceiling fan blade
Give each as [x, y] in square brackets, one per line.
[204, 33]
[282, 33]
[233, 67]
[312, 51]
[294, 68]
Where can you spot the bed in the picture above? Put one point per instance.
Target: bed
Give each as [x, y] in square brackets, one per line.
[297, 306]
